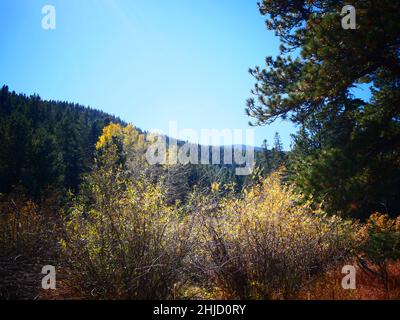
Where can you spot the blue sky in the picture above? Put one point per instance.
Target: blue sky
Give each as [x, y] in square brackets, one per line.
[148, 62]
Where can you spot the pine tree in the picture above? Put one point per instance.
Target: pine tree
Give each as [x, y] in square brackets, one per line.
[352, 145]
[45, 144]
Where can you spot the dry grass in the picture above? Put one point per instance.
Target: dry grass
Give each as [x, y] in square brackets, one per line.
[328, 287]
[64, 290]
[27, 243]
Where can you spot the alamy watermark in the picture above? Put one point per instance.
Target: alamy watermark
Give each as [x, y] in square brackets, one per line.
[349, 17]
[226, 146]
[349, 281]
[49, 19]
[49, 281]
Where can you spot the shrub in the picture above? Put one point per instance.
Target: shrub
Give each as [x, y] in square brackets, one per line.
[267, 244]
[20, 226]
[127, 244]
[27, 243]
[380, 244]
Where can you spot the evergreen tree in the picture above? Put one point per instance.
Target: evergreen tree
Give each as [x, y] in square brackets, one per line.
[352, 145]
[265, 161]
[45, 144]
[278, 155]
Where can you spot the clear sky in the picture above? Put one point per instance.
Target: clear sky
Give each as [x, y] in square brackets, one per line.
[148, 62]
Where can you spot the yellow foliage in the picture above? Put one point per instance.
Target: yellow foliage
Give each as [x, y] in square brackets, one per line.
[269, 242]
[110, 131]
[130, 241]
[129, 135]
[215, 187]
[377, 223]
[383, 222]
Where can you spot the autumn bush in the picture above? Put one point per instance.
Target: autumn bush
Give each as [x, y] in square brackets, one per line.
[122, 237]
[379, 246]
[267, 244]
[19, 225]
[28, 241]
[125, 243]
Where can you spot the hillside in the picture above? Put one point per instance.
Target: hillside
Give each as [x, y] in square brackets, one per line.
[46, 143]
[51, 144]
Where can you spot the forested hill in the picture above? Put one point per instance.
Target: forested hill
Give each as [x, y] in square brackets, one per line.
[51, 144]
[46, 143]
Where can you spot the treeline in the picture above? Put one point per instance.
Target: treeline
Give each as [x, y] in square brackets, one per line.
[46, 144]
